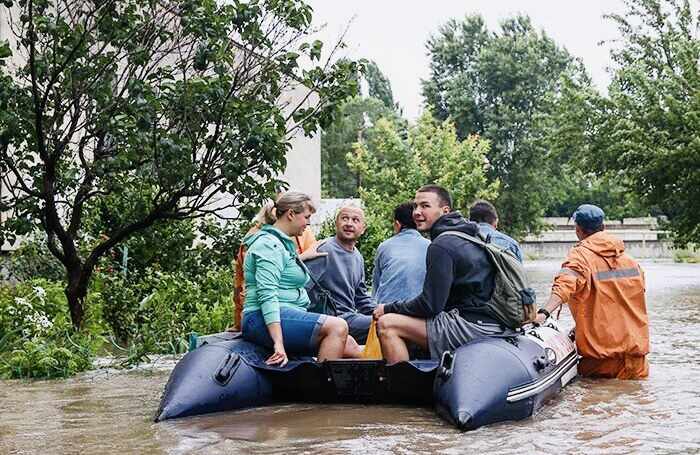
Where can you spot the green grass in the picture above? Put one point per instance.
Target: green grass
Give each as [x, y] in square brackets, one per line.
[688, 255]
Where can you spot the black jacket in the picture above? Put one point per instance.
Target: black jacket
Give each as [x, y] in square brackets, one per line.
[458, 275]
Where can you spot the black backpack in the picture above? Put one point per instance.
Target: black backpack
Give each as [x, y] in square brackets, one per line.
[513, 300]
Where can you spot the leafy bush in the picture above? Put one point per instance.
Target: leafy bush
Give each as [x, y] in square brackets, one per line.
[36, 336]
[32, 260]
[177, 306]
[156, 313]
[46, 358]
[689, 255]
[143, 303]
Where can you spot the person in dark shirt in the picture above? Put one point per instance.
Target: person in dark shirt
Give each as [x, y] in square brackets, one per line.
[342, 272]
[451, 310]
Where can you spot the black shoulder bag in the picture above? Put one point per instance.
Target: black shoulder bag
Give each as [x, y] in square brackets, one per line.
[324, 303]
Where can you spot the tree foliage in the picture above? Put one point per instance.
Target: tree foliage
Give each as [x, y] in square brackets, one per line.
[354, 124]
[500, 85]
[148, 112]
[392, 166]
[649, 129]
[643, 136]
[379, 85]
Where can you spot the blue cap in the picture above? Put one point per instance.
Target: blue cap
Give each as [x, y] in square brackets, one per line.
[589, 217]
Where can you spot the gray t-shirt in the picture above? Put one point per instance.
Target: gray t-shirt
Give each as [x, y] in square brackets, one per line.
[342, 273]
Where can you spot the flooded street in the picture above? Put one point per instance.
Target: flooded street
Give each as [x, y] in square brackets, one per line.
[111, 411]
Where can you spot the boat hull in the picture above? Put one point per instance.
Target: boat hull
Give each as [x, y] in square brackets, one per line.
[488, 380]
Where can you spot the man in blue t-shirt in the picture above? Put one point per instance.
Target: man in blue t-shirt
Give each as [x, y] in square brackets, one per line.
[342, 272]
[484, 214]
[399, 266]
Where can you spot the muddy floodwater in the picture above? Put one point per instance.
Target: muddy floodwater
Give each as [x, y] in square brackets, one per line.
[110, 411]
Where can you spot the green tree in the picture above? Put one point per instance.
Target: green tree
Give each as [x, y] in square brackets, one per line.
[568, 131]
[151, 111]
[499, 85]
[379, 85]
[353, 124]
[392, 166]
[649, 125]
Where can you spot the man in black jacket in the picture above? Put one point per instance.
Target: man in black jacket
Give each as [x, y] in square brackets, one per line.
[459, 282]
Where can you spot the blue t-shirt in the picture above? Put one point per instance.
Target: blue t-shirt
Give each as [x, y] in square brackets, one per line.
[500, 239]
[399, 267]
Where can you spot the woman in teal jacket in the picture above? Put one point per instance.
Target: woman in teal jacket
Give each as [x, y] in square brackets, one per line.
[274, 311]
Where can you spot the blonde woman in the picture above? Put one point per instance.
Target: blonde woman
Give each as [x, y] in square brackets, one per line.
[274, 311]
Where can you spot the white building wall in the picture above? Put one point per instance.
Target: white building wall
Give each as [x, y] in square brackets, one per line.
[303, 171]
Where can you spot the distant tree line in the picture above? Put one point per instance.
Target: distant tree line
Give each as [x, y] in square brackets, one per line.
[553, 140]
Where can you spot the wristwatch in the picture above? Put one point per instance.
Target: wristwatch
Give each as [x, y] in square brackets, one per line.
[546, 313]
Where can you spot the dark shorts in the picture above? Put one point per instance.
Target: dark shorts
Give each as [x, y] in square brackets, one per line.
[358, 325]
[448, 331]
[300, 330]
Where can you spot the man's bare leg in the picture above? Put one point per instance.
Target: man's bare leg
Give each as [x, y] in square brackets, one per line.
[334, 334]
[395, 330]
[352, 349]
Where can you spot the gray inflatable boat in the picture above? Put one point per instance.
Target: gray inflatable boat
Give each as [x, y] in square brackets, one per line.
[485, 381]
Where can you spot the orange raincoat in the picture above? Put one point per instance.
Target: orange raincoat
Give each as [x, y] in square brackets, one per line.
[304, 242]
[604, 288]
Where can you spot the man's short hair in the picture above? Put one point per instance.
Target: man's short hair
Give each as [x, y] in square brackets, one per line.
[443, 195]
[349, 205]
[403, 213]
[483, 212]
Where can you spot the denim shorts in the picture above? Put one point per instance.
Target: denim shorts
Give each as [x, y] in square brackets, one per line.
[358, 324]
[301, 330]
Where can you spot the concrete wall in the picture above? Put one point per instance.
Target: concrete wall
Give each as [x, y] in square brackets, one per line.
[642, 238]
[559, 250]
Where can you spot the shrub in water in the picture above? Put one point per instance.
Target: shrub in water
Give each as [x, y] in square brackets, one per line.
[36, 337]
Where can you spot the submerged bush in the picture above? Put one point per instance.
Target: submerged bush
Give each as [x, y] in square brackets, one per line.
[152, 312]
[46, 358]
[37, 339]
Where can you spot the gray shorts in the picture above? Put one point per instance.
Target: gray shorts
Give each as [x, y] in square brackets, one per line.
[358, 324]
[448, 331]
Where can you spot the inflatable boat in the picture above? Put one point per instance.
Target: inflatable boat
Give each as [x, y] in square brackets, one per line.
[485, 381]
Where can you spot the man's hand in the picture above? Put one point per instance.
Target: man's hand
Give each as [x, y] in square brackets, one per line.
[378, 311]
[312, 253]
[539, 319]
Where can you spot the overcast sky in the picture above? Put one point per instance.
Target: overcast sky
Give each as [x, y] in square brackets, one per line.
[393, 33]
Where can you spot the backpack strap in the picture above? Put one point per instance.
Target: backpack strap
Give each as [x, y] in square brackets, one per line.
[308, 272]
[468, 237]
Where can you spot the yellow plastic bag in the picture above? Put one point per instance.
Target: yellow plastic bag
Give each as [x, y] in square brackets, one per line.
[373, 350]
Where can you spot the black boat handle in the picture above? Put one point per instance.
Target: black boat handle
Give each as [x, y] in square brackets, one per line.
[227, 368]
[446, 364]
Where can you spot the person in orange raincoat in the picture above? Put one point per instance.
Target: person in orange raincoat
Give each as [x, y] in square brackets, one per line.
[305, 242]
[604, 288]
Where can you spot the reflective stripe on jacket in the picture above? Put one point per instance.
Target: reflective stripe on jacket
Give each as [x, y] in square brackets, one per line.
[604, 288]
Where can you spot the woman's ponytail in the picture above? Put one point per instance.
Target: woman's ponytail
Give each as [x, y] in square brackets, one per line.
[291, 200]
[267, 214]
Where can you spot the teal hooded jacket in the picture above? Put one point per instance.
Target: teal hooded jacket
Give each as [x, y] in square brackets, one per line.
[273, 279]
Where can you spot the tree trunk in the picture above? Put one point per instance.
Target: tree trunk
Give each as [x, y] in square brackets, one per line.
[76, 292]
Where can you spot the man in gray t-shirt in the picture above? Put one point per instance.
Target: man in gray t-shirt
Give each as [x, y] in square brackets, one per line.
[342, 272]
